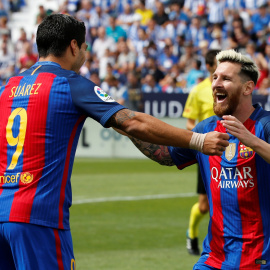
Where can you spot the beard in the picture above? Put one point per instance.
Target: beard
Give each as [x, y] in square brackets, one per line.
[229, 109]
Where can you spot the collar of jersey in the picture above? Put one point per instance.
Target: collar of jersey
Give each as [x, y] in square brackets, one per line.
[47, 63]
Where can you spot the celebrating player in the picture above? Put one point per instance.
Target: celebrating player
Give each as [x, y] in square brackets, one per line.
[42, 112]
[238, 182]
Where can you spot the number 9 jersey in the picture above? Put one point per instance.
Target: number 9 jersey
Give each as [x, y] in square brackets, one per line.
[42, 113]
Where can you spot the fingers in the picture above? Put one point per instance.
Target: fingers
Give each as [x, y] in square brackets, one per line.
[224, 136]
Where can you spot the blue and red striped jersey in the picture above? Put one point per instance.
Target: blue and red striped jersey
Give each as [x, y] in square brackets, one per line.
[238, 190]
[42, 113]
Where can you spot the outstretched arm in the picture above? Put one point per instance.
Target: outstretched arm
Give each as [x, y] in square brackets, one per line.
[237, 129]
[158, 153]
[150, 129]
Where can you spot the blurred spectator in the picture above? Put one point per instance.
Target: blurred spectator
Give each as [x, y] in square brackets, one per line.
[142, 59]
[134, 91]
[85, 69]
[264, 88]
[167, 59]
[260, 20]
[194, 76]
[15, 5]
[150, 85]
[176, 11]
[195, 8]
[115, 31]
[6, 37]
[252, 5]
[103, 43]
[169, 85]
[219, 39]
[152, 31]
[119, 6]
[146, 14]
[99, 18]
[19, 47]
[126, 58]
[95, 78]
[42, 14]
[176, 27]
[7, 62]
[85, 12]
[141, 42]
[125, 19]
[186, 60]
[115, 89]
[63, 7]
[132, 34]
[73, 6]
[151, 68]
[160, 16]
[28, 58]
[196, 32]
[260, 61]
[216, 10]
[107, 6]
[239, 37]
[4, 28]
[3, 10]
[267, 54]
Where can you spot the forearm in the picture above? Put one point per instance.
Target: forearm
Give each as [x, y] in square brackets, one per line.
[150, 129]
[157, 153]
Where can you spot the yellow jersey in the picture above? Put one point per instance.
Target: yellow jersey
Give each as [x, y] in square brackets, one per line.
[199, 104]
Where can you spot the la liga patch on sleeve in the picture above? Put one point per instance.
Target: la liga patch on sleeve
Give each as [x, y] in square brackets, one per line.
[103, 95]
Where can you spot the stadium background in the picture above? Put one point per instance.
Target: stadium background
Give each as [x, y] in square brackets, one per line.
[128, 212]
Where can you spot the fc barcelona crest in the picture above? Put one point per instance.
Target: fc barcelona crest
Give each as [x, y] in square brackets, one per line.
[230, 151]
[245, 151]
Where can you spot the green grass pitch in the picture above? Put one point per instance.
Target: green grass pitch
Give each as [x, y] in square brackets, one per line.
[132, 214]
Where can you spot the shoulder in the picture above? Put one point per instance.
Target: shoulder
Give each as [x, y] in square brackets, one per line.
[79, 83]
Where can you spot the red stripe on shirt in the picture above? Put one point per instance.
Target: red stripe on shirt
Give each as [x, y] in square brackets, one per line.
[6, 101]
[58, 250]
[217, 255]
[65, 174]
[248, 198]
[34, 148]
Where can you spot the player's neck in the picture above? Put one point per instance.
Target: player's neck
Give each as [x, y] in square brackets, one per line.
[59, 60]
[243, 114]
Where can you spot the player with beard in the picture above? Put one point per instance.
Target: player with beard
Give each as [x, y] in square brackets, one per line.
[238, 182]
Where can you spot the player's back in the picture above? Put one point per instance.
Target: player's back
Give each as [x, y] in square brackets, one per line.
[39, 130]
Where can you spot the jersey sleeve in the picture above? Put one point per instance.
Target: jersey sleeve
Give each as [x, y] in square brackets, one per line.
[92, 101]
[182, 157]
[191, 110]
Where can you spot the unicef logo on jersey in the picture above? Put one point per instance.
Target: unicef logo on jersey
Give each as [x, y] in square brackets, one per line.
[103, 95]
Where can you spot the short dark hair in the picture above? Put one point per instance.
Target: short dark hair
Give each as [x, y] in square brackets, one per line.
[210, 57]
[55, 33]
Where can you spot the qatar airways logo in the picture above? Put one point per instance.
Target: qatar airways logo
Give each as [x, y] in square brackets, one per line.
[233, 177]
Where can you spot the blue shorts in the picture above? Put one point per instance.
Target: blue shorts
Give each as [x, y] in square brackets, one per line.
[31, 247]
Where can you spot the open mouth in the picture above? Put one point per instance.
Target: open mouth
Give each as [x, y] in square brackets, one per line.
[220, 97]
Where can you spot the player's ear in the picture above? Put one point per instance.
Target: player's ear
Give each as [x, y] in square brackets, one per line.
[248, 88]
[74, 46]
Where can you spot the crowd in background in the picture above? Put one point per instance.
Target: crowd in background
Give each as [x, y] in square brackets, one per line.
[149, 46]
